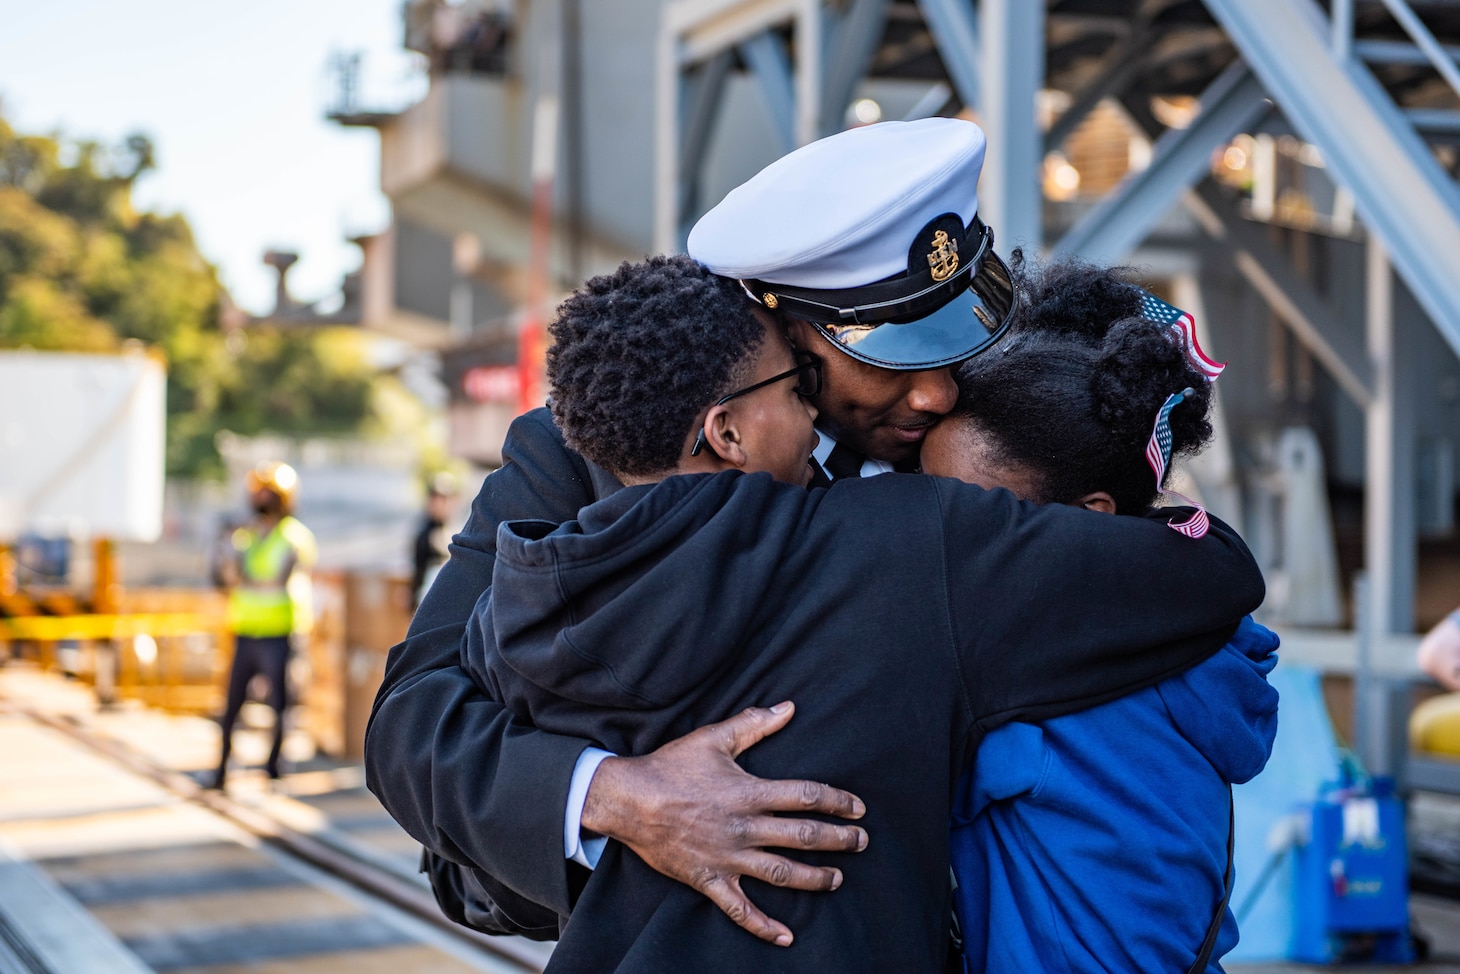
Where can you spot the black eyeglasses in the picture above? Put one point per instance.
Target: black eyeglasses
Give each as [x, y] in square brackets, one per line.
[808, 383]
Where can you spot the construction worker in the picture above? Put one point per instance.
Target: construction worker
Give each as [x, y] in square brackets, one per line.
[429, 547]
[268, 599]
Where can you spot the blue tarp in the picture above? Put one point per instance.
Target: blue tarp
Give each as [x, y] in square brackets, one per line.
[1304, 757]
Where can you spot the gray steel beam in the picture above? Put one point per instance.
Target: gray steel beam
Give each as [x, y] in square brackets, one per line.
[1432, 774]
[703, 91]
[1122, 63]
[1120, 221]
[1011, 73]
[1271, 274]
[768, 60]
[1390, 548]
[1441, 59]
[1341, 32]
[931, 103]
[1434, 121]
[1398, 52]
[1401, 192]
[851, 46]
[703, 28]
[954, 27]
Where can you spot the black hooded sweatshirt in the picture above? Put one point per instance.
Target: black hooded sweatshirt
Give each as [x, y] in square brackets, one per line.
[905, 615]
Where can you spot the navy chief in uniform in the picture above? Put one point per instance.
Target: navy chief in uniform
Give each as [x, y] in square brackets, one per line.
[869, 245]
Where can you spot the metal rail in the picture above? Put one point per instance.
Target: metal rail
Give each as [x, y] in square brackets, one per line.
[371, 877]
[1433, 49]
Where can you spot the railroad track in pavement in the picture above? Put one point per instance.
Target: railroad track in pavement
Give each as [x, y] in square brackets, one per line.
[194, 880]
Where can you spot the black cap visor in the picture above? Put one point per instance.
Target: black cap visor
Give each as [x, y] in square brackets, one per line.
[958, 328]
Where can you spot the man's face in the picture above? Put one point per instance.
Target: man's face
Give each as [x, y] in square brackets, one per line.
[266, 502]
[883, 413]
[438, 506]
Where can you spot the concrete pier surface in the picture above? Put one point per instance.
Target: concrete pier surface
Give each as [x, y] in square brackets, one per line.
[122, 865]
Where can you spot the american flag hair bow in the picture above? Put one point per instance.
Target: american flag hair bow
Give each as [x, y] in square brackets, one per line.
[1158, 455]
[1181, 328]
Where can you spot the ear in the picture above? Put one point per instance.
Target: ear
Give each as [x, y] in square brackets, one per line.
[723, 436]
[1098, 501]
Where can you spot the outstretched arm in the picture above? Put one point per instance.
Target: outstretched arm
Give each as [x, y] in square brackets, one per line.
[1088, 606]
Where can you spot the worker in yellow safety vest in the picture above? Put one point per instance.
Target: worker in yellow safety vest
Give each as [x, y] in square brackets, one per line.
[267, 574]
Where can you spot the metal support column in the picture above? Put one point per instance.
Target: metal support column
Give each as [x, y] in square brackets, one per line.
[1389, 534]
[1379, 472]
[1010, 196]
[955, 32]
[1389, 531]
[766, 57]
[810, 57]
[702, 94]
[851, 47]
[667, 177]
[696, 36]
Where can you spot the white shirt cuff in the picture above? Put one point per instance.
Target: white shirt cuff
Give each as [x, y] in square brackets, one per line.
[575, 847]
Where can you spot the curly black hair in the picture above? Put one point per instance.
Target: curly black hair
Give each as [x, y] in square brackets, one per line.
[1071, 392]
[639, 353]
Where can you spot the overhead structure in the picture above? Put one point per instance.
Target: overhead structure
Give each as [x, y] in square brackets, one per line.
[1372, 85]
[1367, 86]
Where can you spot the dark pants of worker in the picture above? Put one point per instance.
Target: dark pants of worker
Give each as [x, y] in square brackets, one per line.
[267, 655]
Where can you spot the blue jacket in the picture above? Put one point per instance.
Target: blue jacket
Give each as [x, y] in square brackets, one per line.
[1071, 834]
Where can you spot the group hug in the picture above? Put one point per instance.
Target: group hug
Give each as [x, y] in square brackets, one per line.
[835, 613]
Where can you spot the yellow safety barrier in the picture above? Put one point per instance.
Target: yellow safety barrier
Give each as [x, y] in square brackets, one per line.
[168, 649]
[156, 624]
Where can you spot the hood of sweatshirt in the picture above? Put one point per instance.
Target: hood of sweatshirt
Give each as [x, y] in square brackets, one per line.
[649, 594]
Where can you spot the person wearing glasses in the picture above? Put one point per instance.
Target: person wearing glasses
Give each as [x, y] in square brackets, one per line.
[706, 586]
[871, 239]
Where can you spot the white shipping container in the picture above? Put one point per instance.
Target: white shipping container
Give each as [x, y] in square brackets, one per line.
[81, 445]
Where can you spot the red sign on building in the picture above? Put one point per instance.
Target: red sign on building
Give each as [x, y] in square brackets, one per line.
[492, 383]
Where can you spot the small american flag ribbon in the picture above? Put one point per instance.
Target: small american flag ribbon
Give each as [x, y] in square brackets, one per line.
[1182, 330]
[1158, 455]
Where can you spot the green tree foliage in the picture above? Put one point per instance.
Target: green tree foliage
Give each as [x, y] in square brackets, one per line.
[82, 271]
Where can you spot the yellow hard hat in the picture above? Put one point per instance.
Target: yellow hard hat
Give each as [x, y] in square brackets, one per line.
[442, 484]
[278, 478]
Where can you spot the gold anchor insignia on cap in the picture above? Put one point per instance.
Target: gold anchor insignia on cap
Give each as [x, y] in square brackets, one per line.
[944, 258]
[770, 300]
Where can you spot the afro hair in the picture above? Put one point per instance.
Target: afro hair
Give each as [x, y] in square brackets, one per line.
[1072, 390]
[639, 353]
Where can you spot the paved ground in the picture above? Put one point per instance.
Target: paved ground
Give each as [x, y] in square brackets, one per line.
[89, 825]
[160, 883]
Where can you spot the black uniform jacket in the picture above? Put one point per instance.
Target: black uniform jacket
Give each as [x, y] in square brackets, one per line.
[905, 616]
[451, 765]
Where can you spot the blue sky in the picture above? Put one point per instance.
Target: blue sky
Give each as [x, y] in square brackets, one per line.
[233, 95]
